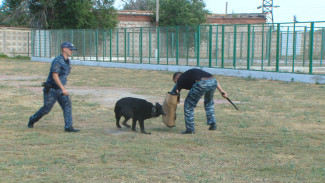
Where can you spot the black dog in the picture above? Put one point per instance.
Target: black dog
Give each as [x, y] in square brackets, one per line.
[137, 109]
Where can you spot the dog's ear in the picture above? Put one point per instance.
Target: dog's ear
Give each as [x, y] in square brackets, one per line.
[157, 104]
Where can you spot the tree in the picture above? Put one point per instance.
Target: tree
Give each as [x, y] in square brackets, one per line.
[14, 13]
[105, 14]
[172, 12]
[182, 12]
[142, 5]
[62, 14]
[73, 14]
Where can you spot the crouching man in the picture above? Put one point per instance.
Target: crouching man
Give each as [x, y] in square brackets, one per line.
[199, 83]
[54, 89]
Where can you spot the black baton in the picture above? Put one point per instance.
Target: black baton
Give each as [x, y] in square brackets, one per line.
[232, 103]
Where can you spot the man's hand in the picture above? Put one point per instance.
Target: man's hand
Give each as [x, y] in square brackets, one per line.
[58, 82]
[65, 92]
[224, 94]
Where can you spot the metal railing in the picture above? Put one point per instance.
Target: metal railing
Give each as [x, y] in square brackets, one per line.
[283, 47]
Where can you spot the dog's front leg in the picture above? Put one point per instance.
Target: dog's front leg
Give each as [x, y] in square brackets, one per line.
[142, 127]
[134, 122]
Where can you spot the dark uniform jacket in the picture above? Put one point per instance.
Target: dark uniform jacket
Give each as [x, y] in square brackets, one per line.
[190, 77]
[62, 67]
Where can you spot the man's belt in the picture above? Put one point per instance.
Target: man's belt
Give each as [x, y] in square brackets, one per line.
[47, 86]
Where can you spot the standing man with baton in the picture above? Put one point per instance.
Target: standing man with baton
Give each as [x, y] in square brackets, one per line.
[54, 89]
[199, 83]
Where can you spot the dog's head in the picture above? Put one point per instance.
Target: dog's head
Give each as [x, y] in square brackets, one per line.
[157, 110]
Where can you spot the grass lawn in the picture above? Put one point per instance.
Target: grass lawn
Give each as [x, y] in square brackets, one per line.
[278, 135]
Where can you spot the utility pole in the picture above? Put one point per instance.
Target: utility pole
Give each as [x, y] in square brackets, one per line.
[157, 13]
[226, 7]
[267, 8]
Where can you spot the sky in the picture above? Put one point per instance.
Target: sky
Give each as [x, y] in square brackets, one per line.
[304, 10]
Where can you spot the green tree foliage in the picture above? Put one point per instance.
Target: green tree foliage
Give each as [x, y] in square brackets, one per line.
[105, 14]
[182, 12]
[14, 13]
[142, 5]
[172, 12]
[66, 14]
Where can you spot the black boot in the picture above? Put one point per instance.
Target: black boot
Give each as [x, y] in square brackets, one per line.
[188, 132]
[71, 129]
[213, 126]
[30, 123]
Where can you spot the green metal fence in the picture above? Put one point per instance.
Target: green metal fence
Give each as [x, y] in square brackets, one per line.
[286, 47]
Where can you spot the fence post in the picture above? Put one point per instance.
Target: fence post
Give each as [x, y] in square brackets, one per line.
[322, 47]
[210, 44]
[104, 45]
[287, 44]
[27, 44]
[241, 45]
[32, 43]
[172, 50]
[253, 45]
[89, 44]
[294, 47]
[304, 51]
[133, 45]
[40, 44]
[83, 44]
[167, 44]
[223, 46]
[228, 46]
[234, 49]
[117, 45]
[262, 55]
[141, 31]
[270, 44]
[51, 44]
[124, 45]
[71, 40]
[54, 42]
[217, 36]
[149, 44]
[311, 43]
[187, 45]
[110, 45]
[158, 30]
[248, 44]
[277, 58]
[45, 44]
[177, 45]
[198, 46]
[96, 43]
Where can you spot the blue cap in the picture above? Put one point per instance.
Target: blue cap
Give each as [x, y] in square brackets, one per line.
[68, 45]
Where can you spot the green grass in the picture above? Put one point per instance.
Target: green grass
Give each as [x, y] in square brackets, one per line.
[276, 136]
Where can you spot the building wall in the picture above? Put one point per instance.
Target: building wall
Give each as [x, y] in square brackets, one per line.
[243, 18]
[15, 41]
[128, 19]
[135, 18]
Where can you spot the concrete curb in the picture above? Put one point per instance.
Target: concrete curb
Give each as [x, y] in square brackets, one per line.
[290, 77]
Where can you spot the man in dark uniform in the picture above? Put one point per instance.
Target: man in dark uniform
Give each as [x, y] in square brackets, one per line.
[199, 83]
[54, 89]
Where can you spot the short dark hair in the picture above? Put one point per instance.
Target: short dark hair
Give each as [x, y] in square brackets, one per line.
[176, 73]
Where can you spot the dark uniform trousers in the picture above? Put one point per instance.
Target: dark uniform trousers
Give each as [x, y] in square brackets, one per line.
[50, 98]
[200, 88]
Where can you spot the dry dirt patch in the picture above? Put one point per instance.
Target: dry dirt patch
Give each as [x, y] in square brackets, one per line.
[106, 96]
